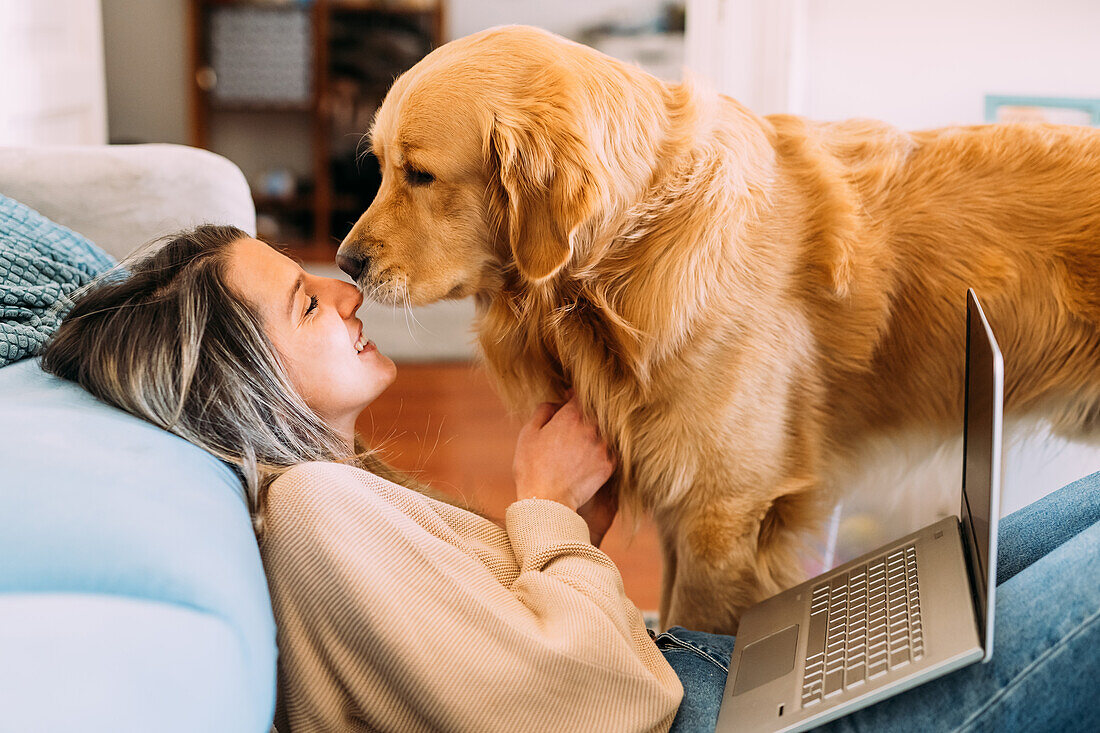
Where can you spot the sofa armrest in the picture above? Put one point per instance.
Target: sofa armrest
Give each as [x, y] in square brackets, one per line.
[122, 196]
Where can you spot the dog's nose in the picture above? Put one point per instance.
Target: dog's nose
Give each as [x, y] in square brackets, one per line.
[353, 266]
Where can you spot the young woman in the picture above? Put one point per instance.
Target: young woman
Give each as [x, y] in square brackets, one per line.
[399, 611]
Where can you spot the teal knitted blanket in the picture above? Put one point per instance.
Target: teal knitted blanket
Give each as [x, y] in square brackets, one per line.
[41, 263]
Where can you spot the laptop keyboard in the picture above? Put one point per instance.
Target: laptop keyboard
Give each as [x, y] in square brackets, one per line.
[862, 625]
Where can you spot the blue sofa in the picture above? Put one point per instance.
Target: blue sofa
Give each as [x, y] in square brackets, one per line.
[131, 592]
[132, 597]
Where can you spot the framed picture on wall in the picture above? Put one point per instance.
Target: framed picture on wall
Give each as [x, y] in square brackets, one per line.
[1057, 110]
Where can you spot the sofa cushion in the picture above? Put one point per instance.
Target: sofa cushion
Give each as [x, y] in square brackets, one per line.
[98, 511]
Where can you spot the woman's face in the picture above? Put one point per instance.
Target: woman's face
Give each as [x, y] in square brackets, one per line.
[311, 321]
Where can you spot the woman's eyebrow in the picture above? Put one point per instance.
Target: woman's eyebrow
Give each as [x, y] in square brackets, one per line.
[293, 296]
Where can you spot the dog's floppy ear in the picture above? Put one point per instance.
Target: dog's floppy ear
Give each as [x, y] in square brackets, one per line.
[542, 163]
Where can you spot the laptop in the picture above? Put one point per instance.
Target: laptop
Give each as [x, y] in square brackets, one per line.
[913, 610]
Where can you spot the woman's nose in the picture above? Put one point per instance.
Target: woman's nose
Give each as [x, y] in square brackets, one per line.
[349, 299]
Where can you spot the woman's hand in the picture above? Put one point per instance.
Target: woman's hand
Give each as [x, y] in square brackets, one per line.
[562, 458]
[599, 512]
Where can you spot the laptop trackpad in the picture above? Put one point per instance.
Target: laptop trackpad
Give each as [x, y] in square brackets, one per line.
[766, 659]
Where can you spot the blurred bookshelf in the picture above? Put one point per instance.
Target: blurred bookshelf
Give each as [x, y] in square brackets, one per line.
[287, 89]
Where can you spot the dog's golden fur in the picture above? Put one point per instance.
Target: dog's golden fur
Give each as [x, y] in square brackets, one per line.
[737, 300]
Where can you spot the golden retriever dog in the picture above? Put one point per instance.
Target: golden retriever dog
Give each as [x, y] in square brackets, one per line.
[739, 301]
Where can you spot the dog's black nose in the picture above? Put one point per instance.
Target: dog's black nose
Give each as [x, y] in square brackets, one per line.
[353, 266]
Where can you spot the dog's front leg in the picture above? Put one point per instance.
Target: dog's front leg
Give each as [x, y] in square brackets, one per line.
[731, 553]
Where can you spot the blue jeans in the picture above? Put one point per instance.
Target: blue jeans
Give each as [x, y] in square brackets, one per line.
[1045, 672]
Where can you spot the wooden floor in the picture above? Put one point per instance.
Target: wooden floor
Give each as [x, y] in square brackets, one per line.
[444, 422]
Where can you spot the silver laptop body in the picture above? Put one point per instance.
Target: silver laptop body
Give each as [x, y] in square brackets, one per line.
[913, 610]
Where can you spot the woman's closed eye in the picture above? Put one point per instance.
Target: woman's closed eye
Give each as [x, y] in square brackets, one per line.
[312, 304]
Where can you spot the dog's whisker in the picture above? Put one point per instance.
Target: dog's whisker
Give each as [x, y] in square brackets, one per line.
[408, 304]
[409, 328]
[409, 312]
[375, 291]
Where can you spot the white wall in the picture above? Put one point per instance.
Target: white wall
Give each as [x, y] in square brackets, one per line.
[914, 64]
[748, 49]
[931, 63]
[51, 64]
[147, 70]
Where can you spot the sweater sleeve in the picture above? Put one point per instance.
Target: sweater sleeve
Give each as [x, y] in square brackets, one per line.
[386, 623]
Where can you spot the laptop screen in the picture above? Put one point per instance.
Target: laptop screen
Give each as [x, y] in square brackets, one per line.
[984, 394]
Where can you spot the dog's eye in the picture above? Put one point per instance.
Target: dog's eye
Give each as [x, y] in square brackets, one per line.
[417, 177]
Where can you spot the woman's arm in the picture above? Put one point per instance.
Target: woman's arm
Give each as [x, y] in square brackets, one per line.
[390, 618]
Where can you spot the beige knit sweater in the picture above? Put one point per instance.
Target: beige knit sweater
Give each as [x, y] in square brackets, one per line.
[397, 612]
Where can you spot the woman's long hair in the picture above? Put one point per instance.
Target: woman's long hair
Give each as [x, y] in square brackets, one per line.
[172, 344]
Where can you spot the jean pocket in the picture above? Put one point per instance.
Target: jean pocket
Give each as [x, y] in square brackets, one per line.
[668, 641]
